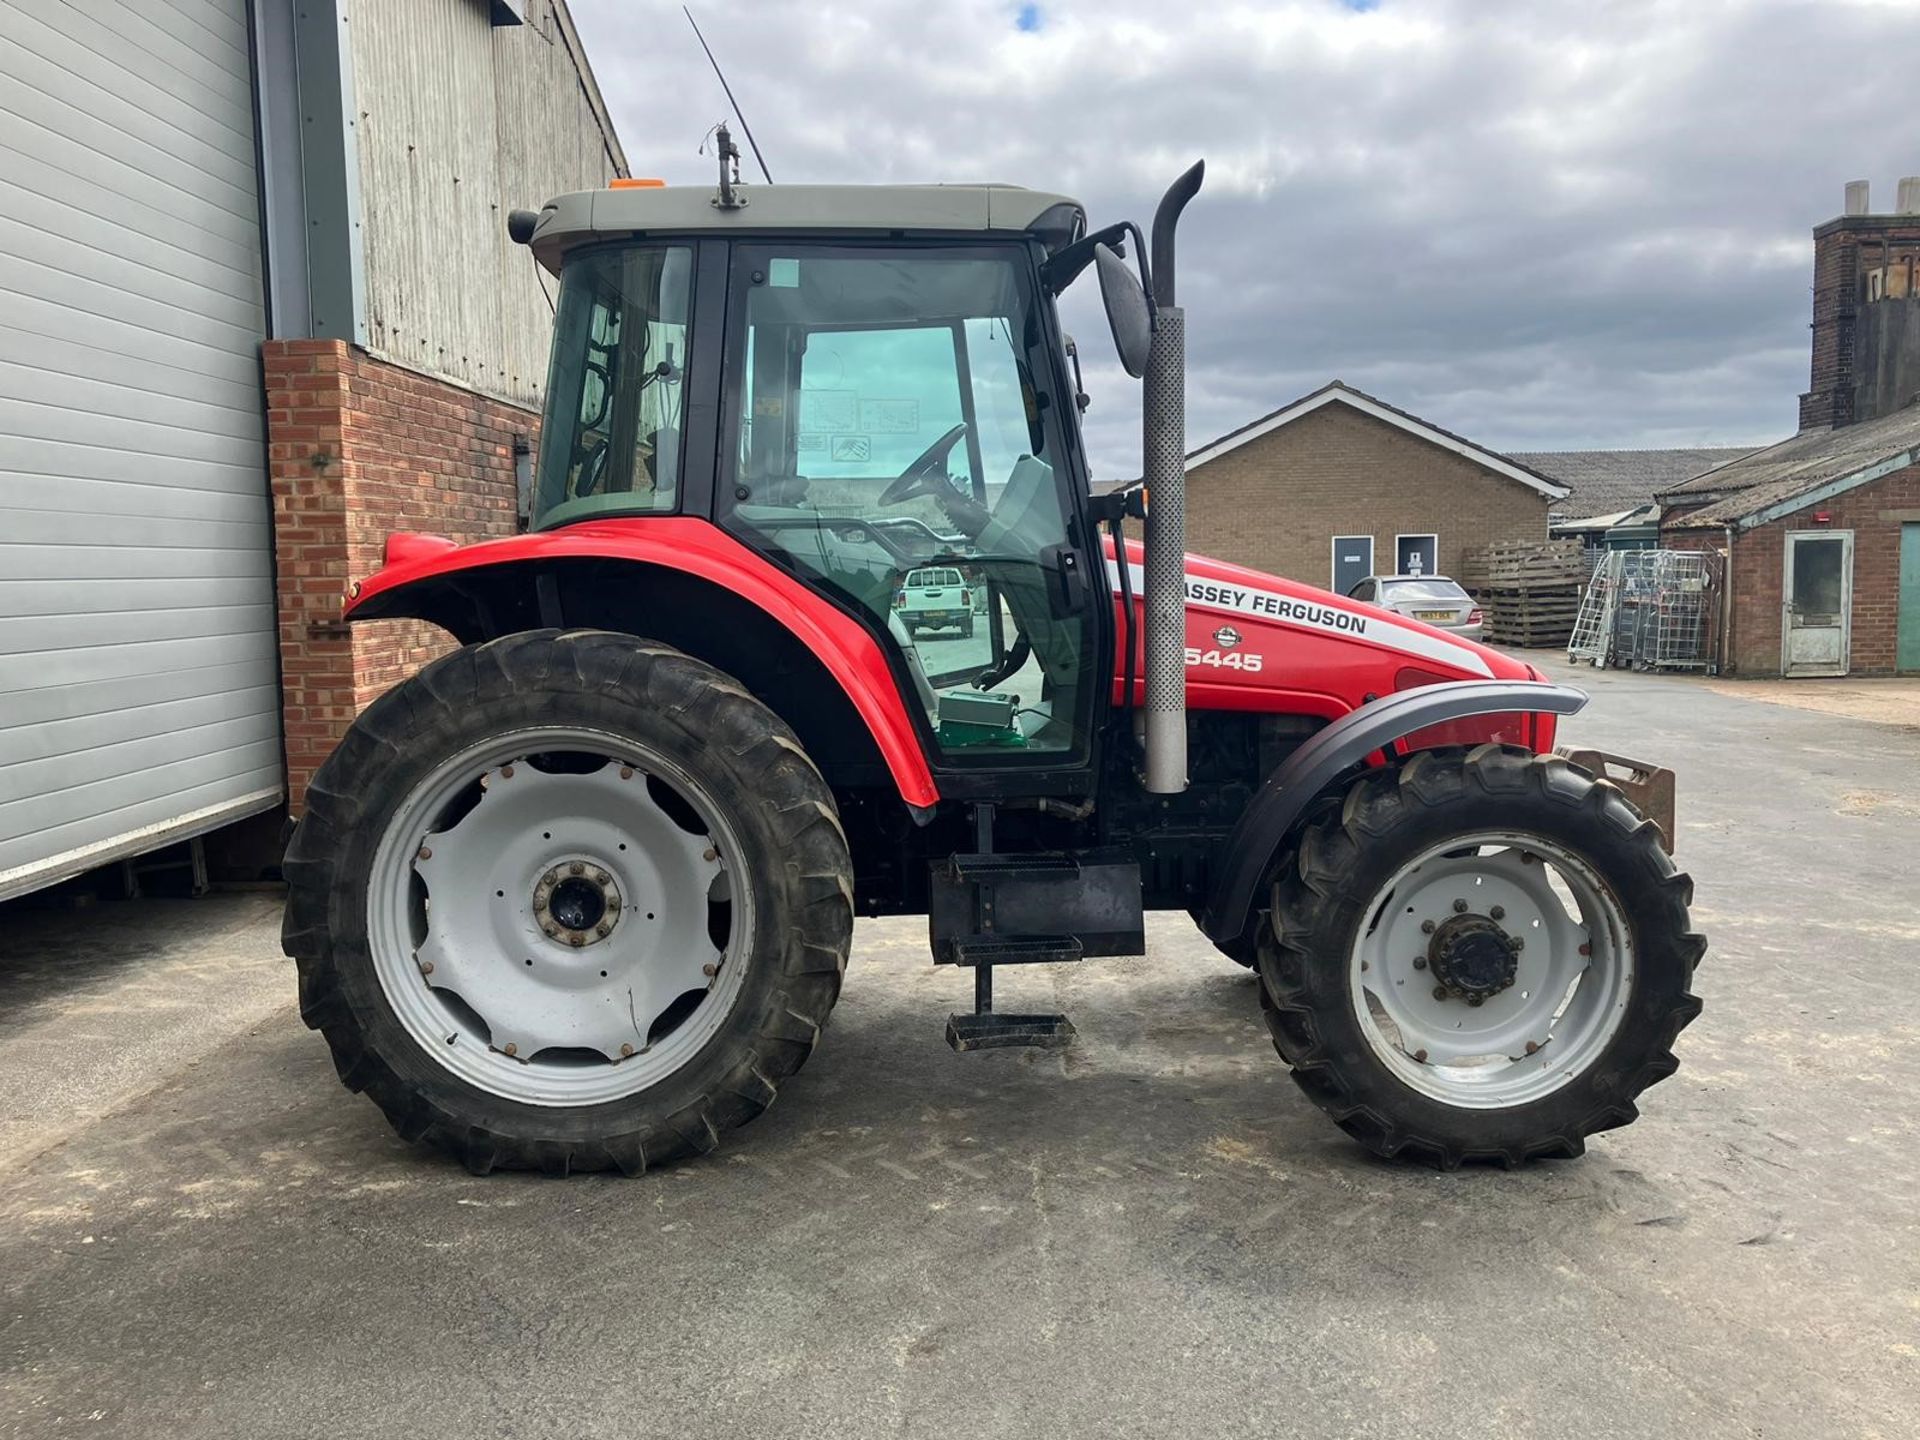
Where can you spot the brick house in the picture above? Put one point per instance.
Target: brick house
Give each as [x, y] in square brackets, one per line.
[1823, 529]
[1339, 485]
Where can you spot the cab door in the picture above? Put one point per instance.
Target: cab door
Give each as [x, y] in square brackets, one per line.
[893, 415]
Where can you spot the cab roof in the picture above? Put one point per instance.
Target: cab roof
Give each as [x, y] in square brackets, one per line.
[586, 216]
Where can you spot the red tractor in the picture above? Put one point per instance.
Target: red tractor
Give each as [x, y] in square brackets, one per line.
[580, 894]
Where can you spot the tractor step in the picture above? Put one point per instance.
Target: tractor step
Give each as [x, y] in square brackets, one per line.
[1090, 902]
[1014, 949]
[995, 1032]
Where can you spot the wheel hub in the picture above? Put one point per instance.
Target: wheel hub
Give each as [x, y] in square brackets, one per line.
[1473, 958]
[577, 902]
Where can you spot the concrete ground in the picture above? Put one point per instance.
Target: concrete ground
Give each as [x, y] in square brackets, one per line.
[1153, 1233]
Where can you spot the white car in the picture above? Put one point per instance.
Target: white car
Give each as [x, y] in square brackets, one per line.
[935, 598]
[1432, 598]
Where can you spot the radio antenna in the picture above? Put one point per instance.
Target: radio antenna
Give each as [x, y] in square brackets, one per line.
[745, 128]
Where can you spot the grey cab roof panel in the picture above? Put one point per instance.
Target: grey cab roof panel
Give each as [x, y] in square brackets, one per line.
[588, 215]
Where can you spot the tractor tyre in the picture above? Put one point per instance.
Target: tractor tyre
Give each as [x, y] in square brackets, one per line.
[1479, 956]
[568, 900]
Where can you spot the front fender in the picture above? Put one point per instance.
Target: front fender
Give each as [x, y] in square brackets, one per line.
[418, 566]
[1305, 774]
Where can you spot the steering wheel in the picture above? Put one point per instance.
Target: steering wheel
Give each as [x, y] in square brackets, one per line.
[927, 475]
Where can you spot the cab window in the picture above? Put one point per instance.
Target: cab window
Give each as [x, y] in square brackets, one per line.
[894, 448]
[616, 391]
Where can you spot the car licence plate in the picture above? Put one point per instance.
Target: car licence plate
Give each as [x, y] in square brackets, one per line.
[1433, 614]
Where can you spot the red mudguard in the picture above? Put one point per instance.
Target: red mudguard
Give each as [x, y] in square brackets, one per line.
[702, 549]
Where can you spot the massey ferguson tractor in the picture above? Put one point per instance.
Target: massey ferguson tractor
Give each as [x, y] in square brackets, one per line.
[580, 894]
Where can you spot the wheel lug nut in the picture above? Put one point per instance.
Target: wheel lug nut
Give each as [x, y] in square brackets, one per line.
[1533, 1047]
[1586, 949]
[425, 853]
[576, 939]
[602, 928]
[1518, 944]
[710, 854]
[1419, 962]
[1459, 907]
[626, 1050]
[1498, 912]
[1476, 999]
[539, 902]
[510, 1048]
[1439, 992]
[626, 772]
[601, 877]
[1421, 1056]
[426, 967]
[1427, 927]
[576, 868]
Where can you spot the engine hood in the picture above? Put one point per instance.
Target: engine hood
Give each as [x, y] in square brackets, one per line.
[1254, 639]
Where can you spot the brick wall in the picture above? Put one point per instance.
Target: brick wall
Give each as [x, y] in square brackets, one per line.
[359, 448]
[1874, 513]
[1277, 502]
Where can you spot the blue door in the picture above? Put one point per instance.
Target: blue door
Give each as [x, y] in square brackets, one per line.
[1352, 561]
[1908, 657]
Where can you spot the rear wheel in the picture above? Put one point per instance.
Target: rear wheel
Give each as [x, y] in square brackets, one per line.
[1479, 956]
[568, 901]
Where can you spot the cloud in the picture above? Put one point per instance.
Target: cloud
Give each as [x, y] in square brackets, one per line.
[1538, 224]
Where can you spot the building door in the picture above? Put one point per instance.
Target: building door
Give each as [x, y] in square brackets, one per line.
[1352, 561]
[1819, 603]
[138, 654]
[1416, 554]
[1908, 656]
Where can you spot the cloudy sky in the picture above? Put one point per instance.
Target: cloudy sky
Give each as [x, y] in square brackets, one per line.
[1542, 224]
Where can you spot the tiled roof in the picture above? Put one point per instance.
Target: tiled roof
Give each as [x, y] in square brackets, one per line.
[1824, 461]
[1605, 482]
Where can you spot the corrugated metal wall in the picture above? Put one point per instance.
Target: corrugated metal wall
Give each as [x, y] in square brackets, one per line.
[138, 681]
[460, 123]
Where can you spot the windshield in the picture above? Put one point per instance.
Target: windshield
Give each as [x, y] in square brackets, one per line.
[616, 391]
[1423, 590]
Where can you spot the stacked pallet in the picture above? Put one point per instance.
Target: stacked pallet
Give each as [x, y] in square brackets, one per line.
[1530, 590]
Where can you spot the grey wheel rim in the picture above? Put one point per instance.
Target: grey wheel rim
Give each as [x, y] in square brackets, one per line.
[558, 916]
[1461, 1012]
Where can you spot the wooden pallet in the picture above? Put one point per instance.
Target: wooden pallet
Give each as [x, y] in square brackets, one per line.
[1524, 566]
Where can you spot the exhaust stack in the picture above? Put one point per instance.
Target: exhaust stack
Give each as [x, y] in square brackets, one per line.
[1164, 468]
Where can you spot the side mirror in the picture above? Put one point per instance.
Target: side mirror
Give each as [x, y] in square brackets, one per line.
[1128, 313]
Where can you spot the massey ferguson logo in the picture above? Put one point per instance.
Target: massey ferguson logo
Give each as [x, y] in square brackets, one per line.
[1226, 637]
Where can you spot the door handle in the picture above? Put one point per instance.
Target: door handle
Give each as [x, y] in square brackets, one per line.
[1068, 593]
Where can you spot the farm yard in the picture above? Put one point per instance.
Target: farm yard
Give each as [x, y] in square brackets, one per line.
[203, 1233]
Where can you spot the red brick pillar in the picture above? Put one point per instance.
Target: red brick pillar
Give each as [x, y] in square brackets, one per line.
[357, 449]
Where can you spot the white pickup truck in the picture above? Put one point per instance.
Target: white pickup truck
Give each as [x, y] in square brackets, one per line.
[935, 598]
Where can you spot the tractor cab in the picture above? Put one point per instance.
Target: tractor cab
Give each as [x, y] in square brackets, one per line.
[814, 616]
[877, 407]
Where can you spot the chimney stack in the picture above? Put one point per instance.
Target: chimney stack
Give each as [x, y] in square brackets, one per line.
[1866, 310]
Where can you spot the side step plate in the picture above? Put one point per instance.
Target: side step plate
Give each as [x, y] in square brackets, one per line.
[1015, 950]
[993, 1032]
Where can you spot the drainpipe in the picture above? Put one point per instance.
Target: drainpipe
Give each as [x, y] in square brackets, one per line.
[1164, 467]
[1726, 607]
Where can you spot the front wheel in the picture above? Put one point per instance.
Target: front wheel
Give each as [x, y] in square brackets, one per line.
[568, 901]
[1479, 956]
